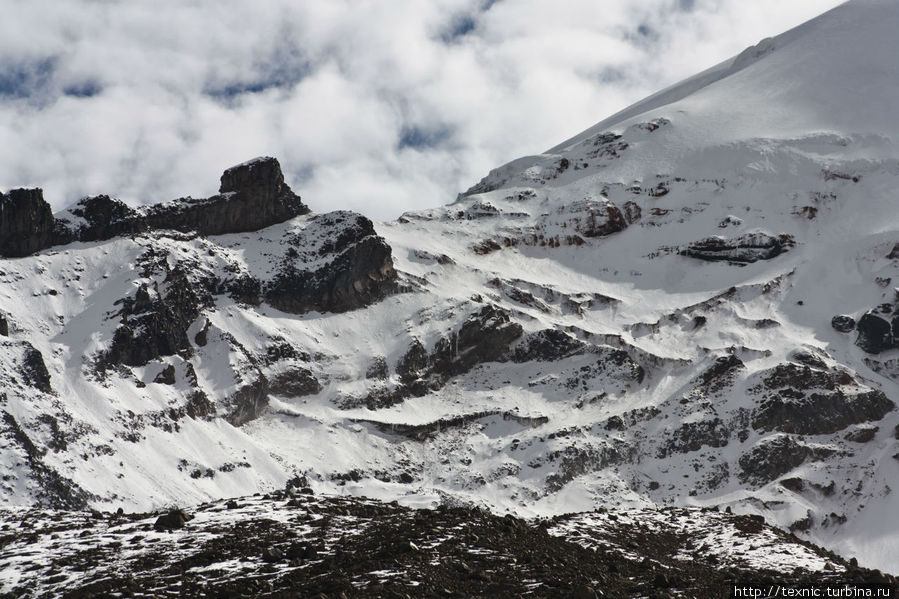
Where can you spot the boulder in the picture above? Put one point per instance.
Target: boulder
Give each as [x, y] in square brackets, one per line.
[166, 376]
[413, 363]
[483, 337]
[843, 323]
[874, 333]
[172, 520]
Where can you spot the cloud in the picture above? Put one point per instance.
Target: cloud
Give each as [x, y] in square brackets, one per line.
[374, 106]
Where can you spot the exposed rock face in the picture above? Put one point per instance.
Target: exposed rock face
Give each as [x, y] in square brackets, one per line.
[588, 218]
[804, 400]
[692, 436]
[547, 345]
[484, 337]
[875, 333]
[413, 363]
[252, 196]
[34, 371]
[741, 250]
[97, 218]
[775, 456]
[248, 402]
[295, 382]
[154, 322]
[26, 222]
[360, 270]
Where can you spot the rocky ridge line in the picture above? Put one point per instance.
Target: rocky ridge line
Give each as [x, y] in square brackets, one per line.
[252, 196]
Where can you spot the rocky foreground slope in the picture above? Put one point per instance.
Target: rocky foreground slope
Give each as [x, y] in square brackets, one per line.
[300, 545]
[691, 304]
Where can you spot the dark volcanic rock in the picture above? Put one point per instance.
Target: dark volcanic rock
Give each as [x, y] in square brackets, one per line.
[874, 333]
[378, 369]
[153, 324]
[803, 400]
[295, 382]
[34, 371]
[248, 402]
[744, 249]
[588, 218]
[547, 345]
[320, 546]
[4, 325]
[176, 518]
[252, 196]
[166, 376]
[484, 337]
[99, 217]
[843, 323]
[26, 222]
[693, 436]
[772, 458]
[722, 373]
[862, 434]
[413, 363]
[358, 272]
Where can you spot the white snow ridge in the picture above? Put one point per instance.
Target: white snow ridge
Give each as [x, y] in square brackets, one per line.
[692, 304]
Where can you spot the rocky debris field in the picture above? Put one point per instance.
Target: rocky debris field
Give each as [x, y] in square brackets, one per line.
[296, 544]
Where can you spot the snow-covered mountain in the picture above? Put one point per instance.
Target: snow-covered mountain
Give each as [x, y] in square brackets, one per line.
[689, 304]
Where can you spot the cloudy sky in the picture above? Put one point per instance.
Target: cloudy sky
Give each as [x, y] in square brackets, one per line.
[377, 106]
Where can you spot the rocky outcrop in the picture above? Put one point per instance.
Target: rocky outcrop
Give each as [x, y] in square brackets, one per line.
[353, 267]
[546, 346]
[248, 402]
[741, 250]
[97, 218]
[26, 223]
[774, 456]
[252, 196]
[483, 337]
[573, 222]
[804, 400]
[842, 323]
[875, 331]
[294, 382]
[693, 436]
[34, 370]
[154, 322]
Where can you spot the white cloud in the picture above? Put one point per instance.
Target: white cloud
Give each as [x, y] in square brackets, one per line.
[374, 106]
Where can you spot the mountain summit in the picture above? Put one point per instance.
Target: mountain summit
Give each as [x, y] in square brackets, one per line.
[692, 304]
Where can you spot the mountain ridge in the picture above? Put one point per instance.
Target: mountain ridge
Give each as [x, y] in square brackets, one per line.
[648, 316]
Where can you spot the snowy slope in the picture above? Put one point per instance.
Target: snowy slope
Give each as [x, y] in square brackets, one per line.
[639, 317]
